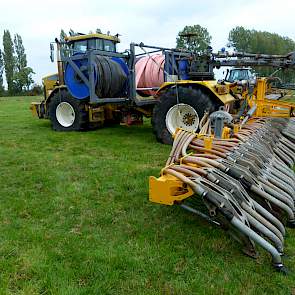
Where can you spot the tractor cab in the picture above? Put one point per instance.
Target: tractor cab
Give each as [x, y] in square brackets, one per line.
[239, 74]
[79, 43]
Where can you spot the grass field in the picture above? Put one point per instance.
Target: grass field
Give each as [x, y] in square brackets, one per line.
[75, 219]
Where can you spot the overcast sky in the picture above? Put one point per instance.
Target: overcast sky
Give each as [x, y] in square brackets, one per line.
[153, 22]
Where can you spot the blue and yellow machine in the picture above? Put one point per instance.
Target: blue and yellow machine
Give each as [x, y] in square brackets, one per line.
[96, 84]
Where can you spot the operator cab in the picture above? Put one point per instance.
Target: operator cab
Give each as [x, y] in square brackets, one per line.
[239, 74]
[79, 43]
[82, 43]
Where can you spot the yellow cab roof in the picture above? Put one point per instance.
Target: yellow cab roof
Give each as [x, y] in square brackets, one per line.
[92, 36]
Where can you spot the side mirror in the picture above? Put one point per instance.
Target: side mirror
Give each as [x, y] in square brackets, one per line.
[51, 52]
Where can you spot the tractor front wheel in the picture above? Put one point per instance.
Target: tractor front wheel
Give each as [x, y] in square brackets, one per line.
[67, 113]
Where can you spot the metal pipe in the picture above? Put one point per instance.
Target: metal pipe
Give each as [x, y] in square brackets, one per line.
[278, 190]
[199, 213]
[266, 232]
[284, 186]
[286, 151]
[282, 176]
[59, 63]
[276, 257]
[264, 221]
[273, 200]
[286, 159]
[284, 169]
[278, 196]
[270, 217]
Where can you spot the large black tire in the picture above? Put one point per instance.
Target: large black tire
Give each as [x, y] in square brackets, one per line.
[196, 98]
[80, 121]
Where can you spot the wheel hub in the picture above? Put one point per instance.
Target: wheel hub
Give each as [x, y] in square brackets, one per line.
[182, 116]
[189, 119]
[65, 114]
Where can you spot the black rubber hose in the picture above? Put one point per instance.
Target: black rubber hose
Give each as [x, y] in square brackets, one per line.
[110, 77]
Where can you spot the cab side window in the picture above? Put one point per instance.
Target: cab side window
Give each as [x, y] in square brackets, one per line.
[109, 46]
[80, 46]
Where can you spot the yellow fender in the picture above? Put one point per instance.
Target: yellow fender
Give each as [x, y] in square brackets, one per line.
[220, 92]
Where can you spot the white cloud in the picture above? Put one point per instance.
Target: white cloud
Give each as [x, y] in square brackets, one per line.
[154, 22]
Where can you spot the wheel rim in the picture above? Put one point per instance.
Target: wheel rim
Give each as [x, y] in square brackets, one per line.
[65, 114]
[182, 116]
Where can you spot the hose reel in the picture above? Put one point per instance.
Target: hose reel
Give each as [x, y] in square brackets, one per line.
[110, 77]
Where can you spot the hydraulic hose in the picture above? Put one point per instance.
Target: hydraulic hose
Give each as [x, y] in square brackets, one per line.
[288, 143]
[185, 171]
[197, 189]
[187, 143]
[178, 137]
[286, 159]
[287, 151]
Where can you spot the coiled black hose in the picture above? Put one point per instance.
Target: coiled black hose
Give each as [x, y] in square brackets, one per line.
[111, 79]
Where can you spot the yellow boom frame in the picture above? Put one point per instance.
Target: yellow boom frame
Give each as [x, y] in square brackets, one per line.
[169, 190]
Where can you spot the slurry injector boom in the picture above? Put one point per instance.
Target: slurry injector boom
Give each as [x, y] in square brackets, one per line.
[243, 173]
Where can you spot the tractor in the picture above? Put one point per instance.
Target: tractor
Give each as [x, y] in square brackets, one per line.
[96, 84]
[240, 74]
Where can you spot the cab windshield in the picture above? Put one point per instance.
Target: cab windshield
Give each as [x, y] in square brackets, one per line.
[95, 44]
[239, 75]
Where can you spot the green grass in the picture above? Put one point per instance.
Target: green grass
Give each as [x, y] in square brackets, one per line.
[75, 219]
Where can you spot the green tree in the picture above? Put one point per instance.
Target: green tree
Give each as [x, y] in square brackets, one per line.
[194, 38]
[62, 35]
[23, 79]
[65, 52]
[1, 74]
[23, 74]
[9, 61]
[72, 32]
[239, 39]
[20, 55]
[254, 41]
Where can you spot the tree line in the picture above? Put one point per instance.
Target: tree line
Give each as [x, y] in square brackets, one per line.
[198, 39]
[13, 63]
